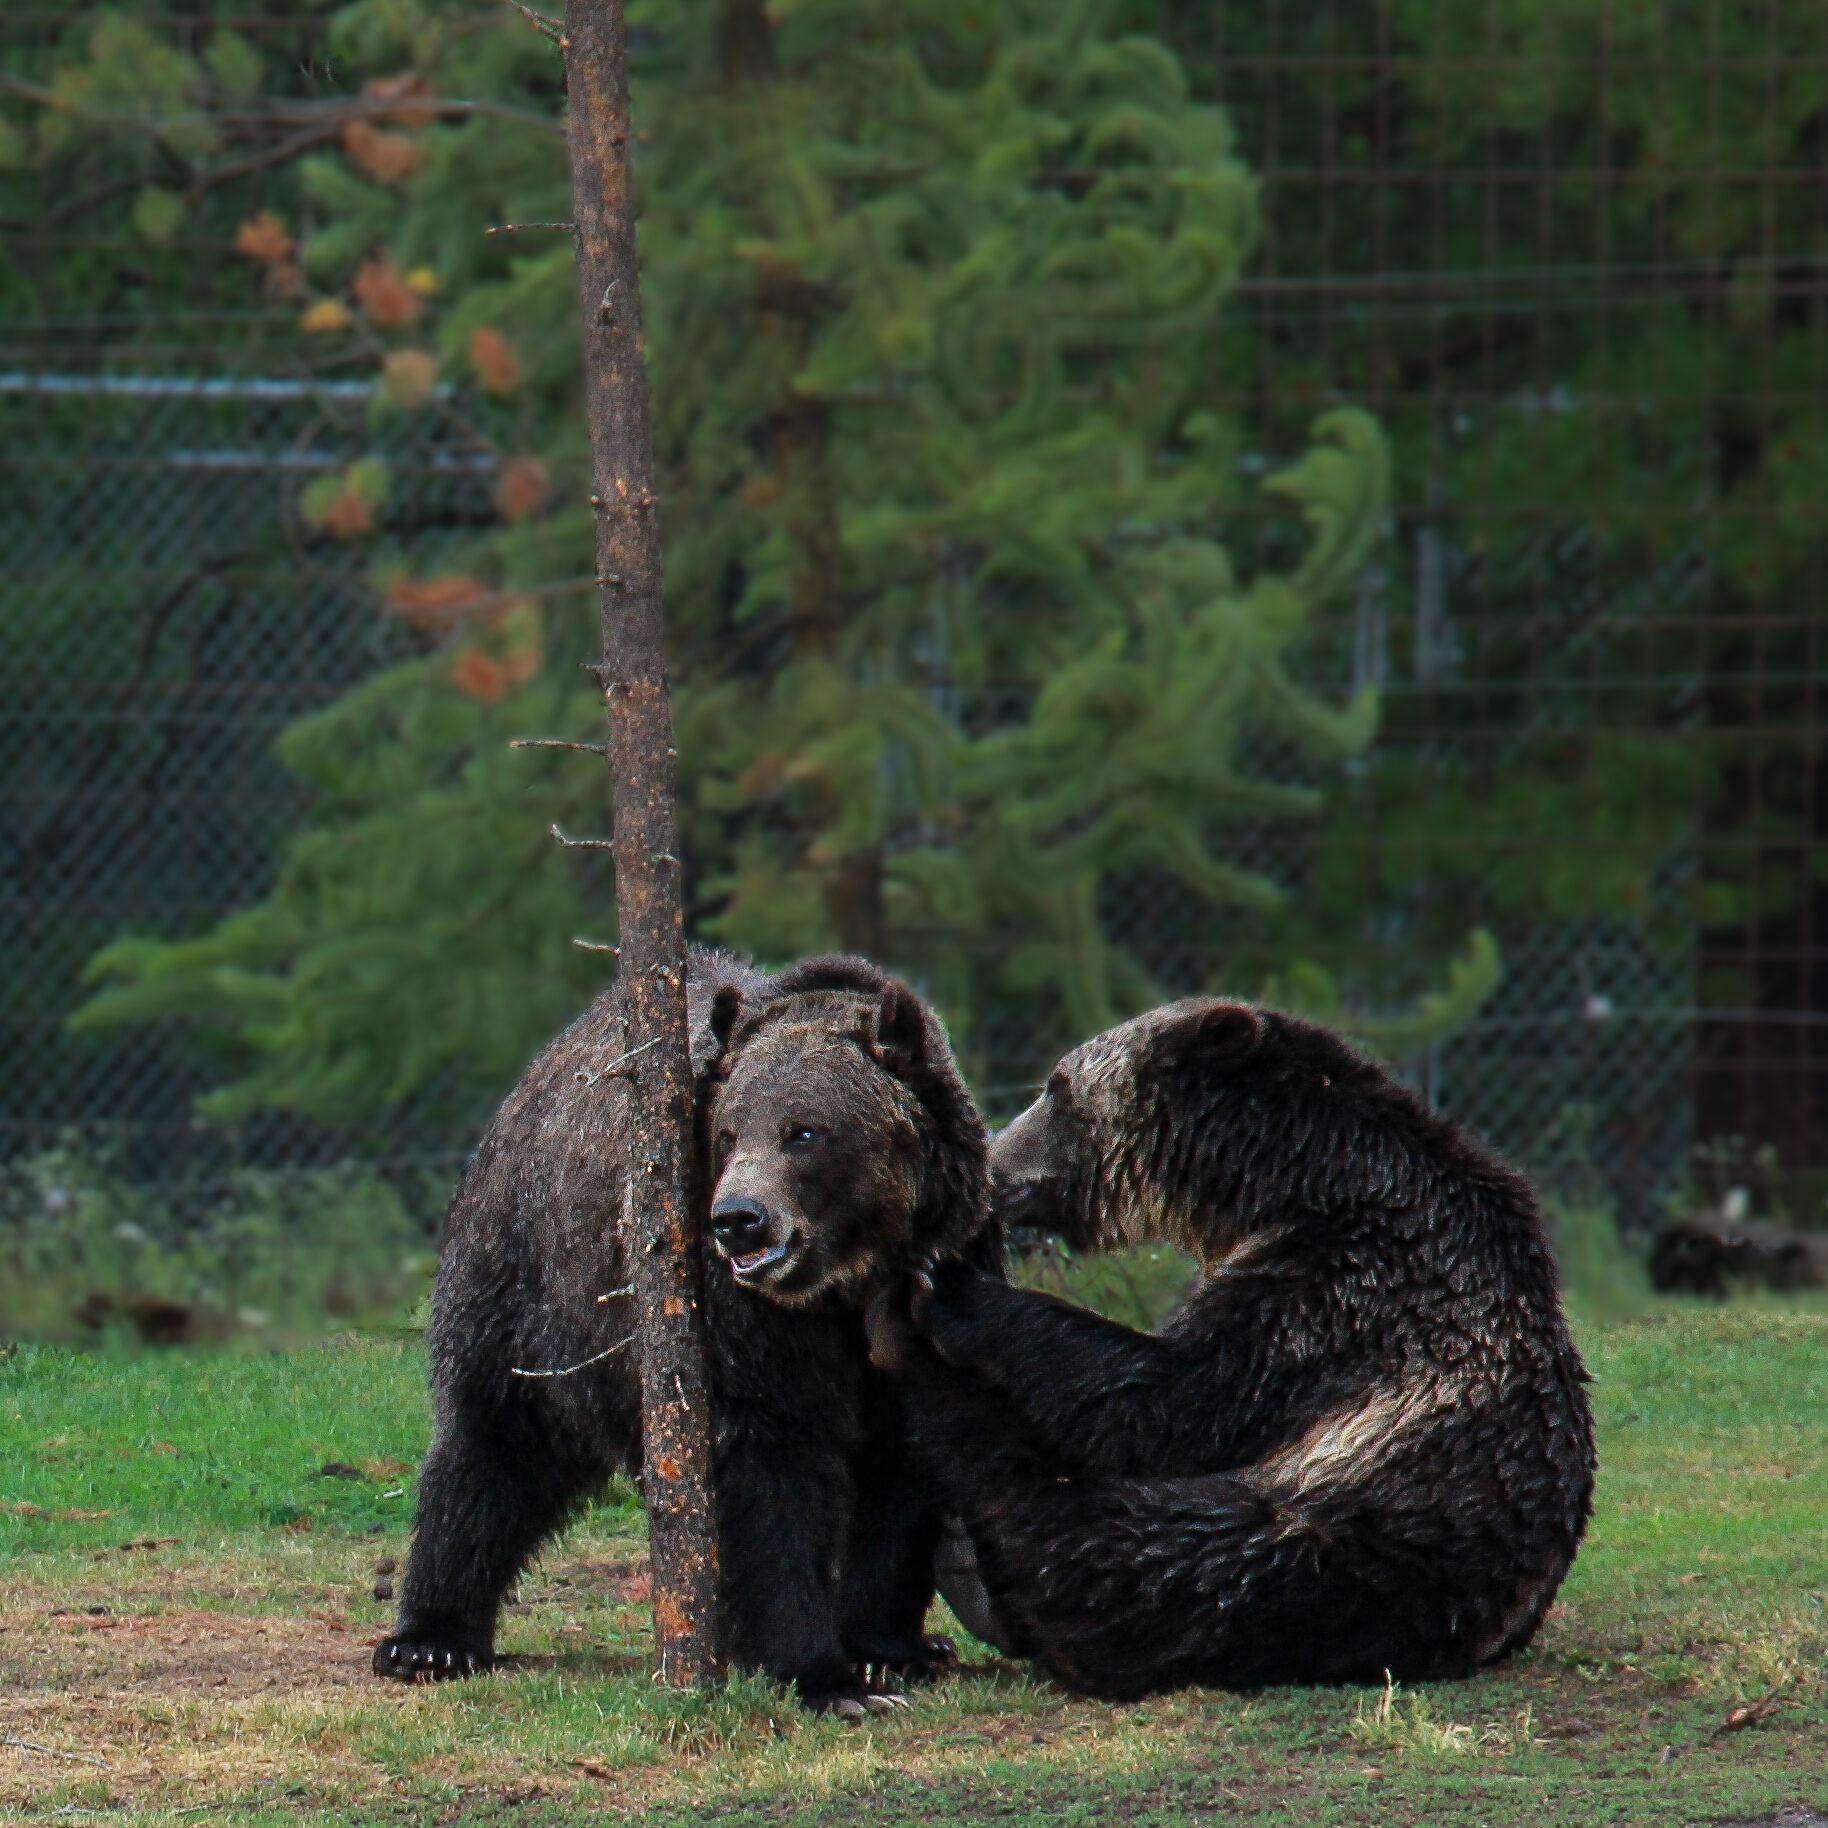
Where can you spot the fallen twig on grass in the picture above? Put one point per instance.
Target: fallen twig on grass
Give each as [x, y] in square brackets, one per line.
[51, 1751]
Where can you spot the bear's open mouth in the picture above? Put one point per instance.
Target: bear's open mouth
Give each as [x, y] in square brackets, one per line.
[755, 1264]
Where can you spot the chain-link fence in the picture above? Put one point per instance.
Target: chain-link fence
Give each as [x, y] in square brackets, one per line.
[1576, 260]
[166, 616]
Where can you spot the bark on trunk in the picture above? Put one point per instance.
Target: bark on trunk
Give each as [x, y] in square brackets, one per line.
[659, 1229]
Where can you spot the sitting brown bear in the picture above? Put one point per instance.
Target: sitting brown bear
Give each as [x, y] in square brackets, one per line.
[1360, 1446]
[843, 1148]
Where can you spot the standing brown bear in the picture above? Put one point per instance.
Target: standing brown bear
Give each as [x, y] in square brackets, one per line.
[836, 1145]
[1361, 1445]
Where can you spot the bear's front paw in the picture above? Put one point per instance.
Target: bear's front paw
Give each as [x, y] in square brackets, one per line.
[835, 1685]
[429, 1656]
[944, 1305]
[856, 1703]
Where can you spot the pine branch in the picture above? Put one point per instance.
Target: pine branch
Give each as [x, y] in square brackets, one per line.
[327, 118]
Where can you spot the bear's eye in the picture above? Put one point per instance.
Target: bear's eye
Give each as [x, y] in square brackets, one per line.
[1060, 1089]
[725, 1145]
[798, 1137]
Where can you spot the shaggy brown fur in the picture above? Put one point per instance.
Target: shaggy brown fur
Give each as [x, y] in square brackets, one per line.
[838, 1117]
[1361, 1444]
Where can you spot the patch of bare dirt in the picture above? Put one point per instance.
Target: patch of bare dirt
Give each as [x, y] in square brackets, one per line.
[176, 1650]
[164, 1679]
[116, 1698]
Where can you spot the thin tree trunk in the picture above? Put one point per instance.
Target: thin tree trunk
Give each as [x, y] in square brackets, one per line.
[854, 903]
[789, 309]
[801, 428]
[659, 1224]
[746, 41]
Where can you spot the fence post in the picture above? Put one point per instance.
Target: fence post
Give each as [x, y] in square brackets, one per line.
[659, 1229]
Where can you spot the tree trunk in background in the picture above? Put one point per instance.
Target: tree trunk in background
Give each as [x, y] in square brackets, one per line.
[800, 429]
[746, 43]
[659, 1228]
[790, 308]
[854, 903]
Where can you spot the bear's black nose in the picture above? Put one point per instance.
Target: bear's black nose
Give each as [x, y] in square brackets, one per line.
[740, 1225]
[1010, 1195]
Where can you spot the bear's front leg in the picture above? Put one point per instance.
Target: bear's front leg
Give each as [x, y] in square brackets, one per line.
[495, 1484]
[1097, 1392]
[783, 1515]
[894, 1534]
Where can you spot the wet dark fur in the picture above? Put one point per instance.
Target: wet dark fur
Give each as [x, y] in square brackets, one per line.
[1360, 1445]
[826, 1530]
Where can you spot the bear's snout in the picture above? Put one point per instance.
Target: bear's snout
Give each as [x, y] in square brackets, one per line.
[758, 1241]
[1011, 1196]
[741, 1225]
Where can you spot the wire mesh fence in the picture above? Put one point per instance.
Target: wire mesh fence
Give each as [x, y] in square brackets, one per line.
[1574, 257]
[167, 617]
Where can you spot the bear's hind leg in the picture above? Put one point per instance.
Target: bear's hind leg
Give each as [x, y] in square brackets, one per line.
[492, 1488]
[1125, 1586]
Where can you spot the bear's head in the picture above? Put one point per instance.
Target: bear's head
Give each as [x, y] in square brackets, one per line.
[1093, 1159]
[844, 1148]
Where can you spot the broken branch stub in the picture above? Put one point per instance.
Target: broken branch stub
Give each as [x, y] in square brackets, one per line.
[659, 1230]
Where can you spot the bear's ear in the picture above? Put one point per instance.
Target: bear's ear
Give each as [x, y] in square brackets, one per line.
[899, 1031]
[726, 1007]
[1213, 1037]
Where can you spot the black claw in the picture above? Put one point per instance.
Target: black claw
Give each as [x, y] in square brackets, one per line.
[920, 1296]
[407, 1661]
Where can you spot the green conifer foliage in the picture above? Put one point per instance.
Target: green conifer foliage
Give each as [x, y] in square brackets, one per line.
[1608, 414]
[931, 298]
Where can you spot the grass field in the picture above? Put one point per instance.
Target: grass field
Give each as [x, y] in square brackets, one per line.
[186, 1610]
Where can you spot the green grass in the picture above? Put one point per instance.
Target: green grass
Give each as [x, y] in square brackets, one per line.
[226, 1675]
[207, 1444]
